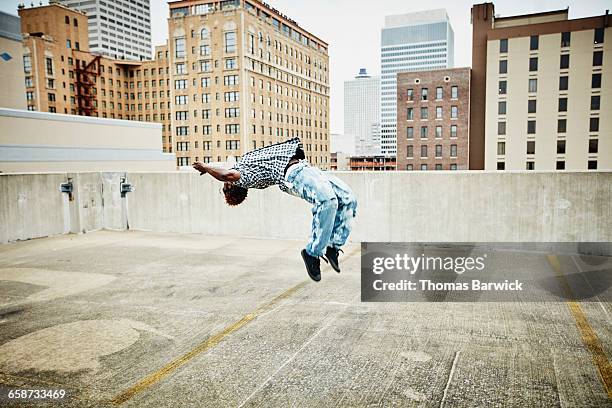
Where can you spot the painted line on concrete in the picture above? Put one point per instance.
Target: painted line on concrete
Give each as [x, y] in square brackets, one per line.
[208, 344]
[589, 337]
[450, 378]
[203, 347]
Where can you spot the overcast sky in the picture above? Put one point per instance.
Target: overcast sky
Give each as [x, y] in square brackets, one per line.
[352, 28]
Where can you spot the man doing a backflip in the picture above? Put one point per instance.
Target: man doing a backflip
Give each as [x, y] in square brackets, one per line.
[284, 164]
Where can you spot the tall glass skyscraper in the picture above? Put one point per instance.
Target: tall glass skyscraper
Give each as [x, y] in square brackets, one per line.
[362, 113]
[410, 42]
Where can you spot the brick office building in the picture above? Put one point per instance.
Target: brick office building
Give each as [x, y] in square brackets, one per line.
[433, 110]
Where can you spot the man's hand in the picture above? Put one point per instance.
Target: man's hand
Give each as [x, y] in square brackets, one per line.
[201, 167]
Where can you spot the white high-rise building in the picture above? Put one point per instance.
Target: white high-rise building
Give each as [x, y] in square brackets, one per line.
[119, 29]
[362, 112]
[410, 42]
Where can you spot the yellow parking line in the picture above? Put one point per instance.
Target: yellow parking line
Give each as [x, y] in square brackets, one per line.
[589, 337]
[201, 348]
[207, 344]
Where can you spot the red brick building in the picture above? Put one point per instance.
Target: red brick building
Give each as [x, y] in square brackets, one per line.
[433, 111]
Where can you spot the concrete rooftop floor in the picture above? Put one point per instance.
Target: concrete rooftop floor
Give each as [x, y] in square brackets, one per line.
[139, 319]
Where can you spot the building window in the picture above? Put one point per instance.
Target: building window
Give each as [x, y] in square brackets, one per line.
[503, 45]
[230, 63]
[204, 50]
[68, 44]
[423, 151]
[454, 92]
[531, 147]
[410, 113]
[179, 47]
[410, 151]
[51, 97]
[439, 92]
[182, 161]
[533, 85]
[423, 167]
[595, 102]
[75, 22]
[49, 65]
[230, 41]
[424, 132]
[438, 167]
[453, 150]
[533, 64]
[438, 151]
[599, 36]
[182, 130]
[530, 165]
[67, 20]
[501, 165]
[531, 106]
[596, 81]
[593, 124]
[534, 42]
[410, 132]
[180, 84]
[453, 166]
[181, 69]
[503, 66]
[564, 61]
[424, 92]
[454, 112]
[230, 80]
[563, 83]
[181, 115]
[597, 58]
[501, 148]
[562, 104]
[560, 165]
[410, 94]
[592, 165]
[424, 113]
[409, 167]
[232, 96]
[27, 64]
[30, 96]
[561, 125]
[560, 146]
[531, 127]
[453, 131]
[438, 112]
[438, 132]
[565, 39]
[232, 144]
[593, 146]
[28, 82]
[503, 87]
[501, 108]
[501, 128]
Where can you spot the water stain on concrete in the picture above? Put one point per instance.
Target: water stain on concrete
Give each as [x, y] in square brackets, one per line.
[70, 347]
[58, 284]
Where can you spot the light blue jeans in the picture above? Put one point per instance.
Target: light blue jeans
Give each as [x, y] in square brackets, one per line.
[333, 206]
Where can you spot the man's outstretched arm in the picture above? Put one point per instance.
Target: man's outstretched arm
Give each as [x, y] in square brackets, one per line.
[220, 174]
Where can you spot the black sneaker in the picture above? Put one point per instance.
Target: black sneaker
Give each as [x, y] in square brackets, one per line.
[313, 266]
[331, 255]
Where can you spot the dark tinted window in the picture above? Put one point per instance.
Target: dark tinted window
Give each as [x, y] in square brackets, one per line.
[597, 58]
[560, 146]
[593, 124]
[563, 83]
[562, 104]
[564, 63]
[531, 106]
[595, 102]
[565, 39]
[593, 145]
[596, 81]
[503, 45]
[562, 125]
[599, 36]
[533, 64]
[534, 42]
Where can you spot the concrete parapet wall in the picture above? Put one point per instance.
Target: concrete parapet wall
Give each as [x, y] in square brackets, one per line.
[393, 206]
